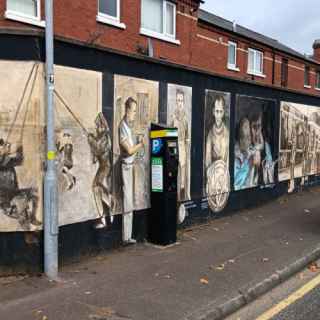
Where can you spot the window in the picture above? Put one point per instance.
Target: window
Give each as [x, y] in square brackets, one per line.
[158, 19]
[109, 12]
[232, 56]
[318, 80]
[255, 62]
[284, 72]
[307, 76]
[27, 11]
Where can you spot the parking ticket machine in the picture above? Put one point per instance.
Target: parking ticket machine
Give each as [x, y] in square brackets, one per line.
[162, 222]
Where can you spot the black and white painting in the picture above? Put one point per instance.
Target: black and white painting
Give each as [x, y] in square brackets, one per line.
[216, 149]
[179, 111]
[299, 154]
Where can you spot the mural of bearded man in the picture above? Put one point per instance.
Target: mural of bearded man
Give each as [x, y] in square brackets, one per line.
[101, 150]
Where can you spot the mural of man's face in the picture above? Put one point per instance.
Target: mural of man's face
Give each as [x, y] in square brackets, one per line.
[131, 112]
[256, 131]
[180, 101]
[219, 112]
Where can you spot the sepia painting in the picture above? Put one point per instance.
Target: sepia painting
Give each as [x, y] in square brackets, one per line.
[179, 113]
[254, 146]
[21, 114]
[299, 154]
[136, 106]
[84, 149]
[216, 149]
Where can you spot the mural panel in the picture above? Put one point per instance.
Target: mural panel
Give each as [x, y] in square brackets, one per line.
[83, 147]
[179, 113]
[299, 154]
[136, 106]
[20, 146]
[216, 149]
[254, 145]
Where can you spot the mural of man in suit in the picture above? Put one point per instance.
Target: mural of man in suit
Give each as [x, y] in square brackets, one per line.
[128, 150]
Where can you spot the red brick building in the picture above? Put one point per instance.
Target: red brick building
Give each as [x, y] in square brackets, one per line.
[180, 33]
[161, 53]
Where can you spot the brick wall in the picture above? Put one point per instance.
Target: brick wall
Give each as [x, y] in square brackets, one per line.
[202, 46]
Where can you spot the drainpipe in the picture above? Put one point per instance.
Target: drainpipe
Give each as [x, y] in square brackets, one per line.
[50, 218]
[273, 66]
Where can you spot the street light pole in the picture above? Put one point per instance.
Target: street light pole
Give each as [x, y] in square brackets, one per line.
[51, 225]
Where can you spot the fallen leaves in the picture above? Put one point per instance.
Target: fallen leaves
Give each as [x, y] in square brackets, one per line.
[204, 281]
[39, 315]
[221, 267]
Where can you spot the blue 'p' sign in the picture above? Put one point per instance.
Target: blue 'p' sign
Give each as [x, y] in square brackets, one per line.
[156, 146]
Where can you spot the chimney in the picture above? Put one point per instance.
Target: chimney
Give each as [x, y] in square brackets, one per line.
[316, 50]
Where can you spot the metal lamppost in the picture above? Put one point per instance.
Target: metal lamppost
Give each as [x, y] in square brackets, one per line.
[51, 224]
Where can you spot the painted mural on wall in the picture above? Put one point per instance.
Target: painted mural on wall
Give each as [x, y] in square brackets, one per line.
[299, 141]
[135, 107]
[20, 146]
[179, 113]
[216, 149]
[254, 146]
[83, 147]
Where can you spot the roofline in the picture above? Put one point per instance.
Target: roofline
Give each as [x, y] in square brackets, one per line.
[300, 56]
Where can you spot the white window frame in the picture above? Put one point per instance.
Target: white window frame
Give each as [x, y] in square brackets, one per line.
[254, 72]
[21, 17]
[164, 35]
[111, 20]
[307, 85]
[231, 66]
[317, 86]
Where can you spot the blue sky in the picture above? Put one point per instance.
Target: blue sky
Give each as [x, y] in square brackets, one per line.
[295, 23]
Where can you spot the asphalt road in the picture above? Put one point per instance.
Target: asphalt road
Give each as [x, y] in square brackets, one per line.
[306, 308]
[296, 299]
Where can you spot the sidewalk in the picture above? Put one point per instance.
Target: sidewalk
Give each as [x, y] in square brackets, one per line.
[211, 264]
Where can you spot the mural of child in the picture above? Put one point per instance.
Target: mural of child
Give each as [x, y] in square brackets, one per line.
[243, 156]
[263, 165]
[65, 159]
